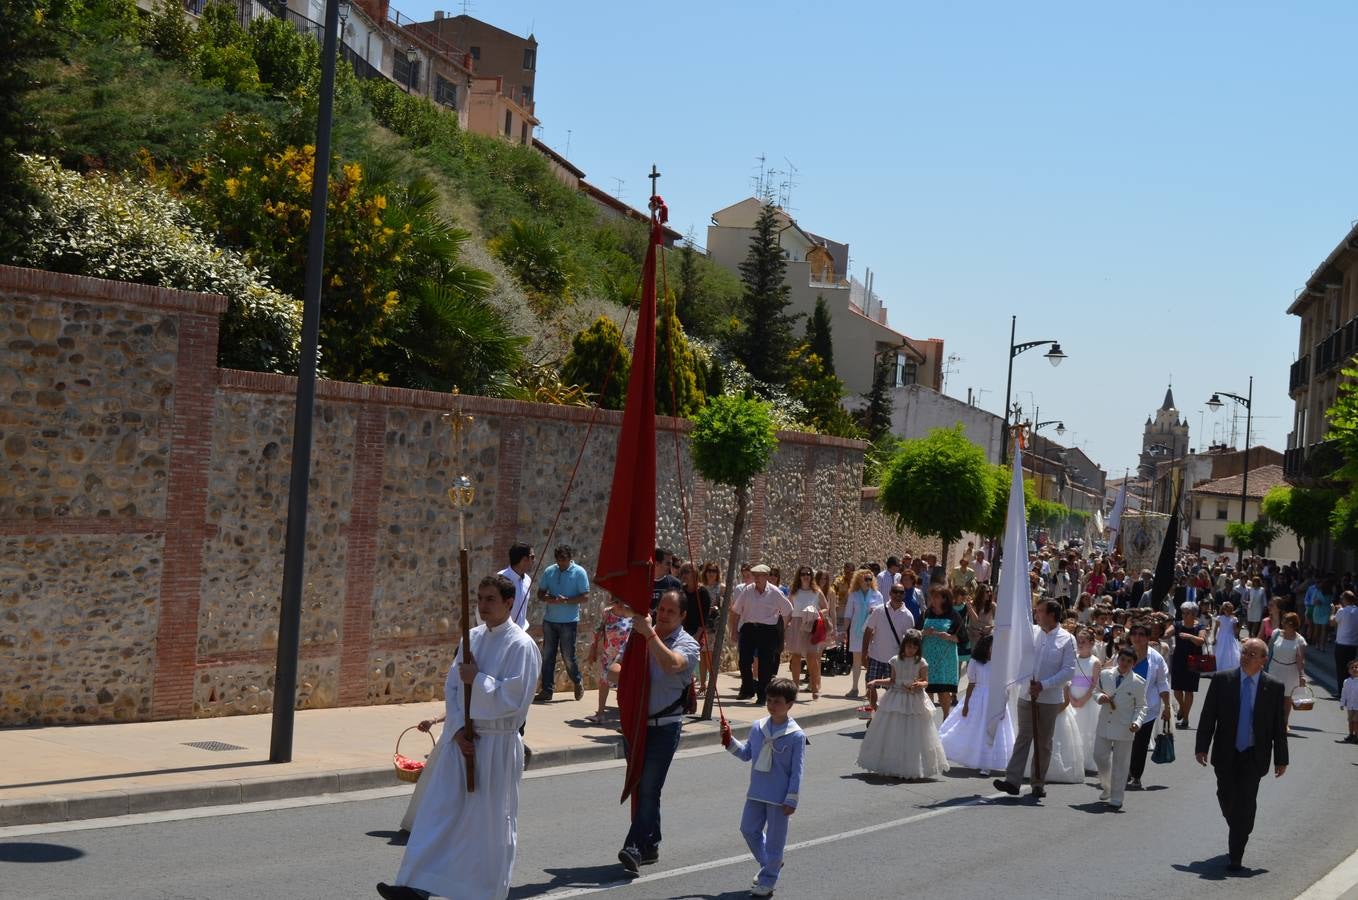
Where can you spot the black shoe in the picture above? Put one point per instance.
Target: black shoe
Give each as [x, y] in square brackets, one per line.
[744, 695]
[398, 892]
[1234, 865]
[1002, 785]
[1134, 784]
[1037, 793]
[630, 857]
[648, 857]
[542, 697]
[527, 756]
[579, 691]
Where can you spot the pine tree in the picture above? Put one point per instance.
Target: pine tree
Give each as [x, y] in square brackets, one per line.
[876, 415]
[587, 364]
[677, 392]
[818, 335]
[765, 341]
[690, 283]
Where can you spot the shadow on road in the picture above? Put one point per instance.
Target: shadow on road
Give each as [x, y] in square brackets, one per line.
[724, 895]
[1214, 869]
[580, 876]
[19, 852]
[205, 768]
[394, 838]
[1096, 807]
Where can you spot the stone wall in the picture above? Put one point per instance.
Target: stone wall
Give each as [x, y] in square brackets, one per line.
[143, 498]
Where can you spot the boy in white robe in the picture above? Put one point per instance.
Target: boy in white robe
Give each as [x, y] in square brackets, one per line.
[462, 845]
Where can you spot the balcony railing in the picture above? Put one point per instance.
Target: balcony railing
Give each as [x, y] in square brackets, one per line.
[1337, 349]
[1312, 463]
[1300, 374]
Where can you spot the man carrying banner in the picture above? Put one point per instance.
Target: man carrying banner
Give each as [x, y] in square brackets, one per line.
[1038, 708]
[673, 657]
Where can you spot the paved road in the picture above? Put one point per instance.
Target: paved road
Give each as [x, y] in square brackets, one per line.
[946, 839]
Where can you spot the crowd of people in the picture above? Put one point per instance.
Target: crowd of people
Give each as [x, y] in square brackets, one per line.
[1113, 663]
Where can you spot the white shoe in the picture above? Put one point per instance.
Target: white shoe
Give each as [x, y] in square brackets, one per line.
[985, 773]
[1105, 795]
[761, 890]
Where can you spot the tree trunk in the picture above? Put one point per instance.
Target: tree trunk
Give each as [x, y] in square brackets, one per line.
[944, 561]
[719, 639]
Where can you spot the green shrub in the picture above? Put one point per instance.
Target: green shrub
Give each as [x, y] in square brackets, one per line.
[593, 351]
[168, 34]
[230, 67]
[286, 59]
[412, 117]
[107, 227]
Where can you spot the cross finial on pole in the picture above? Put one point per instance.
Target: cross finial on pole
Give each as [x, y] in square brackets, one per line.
[654, 176]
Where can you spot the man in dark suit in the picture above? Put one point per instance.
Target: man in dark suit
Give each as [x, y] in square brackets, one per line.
[1242, 722]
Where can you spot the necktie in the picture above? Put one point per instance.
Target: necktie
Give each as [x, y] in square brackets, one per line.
[1244, 729]
[1118, 683]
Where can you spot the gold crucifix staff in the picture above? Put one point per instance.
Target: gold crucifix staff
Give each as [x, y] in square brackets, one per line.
[461, 495]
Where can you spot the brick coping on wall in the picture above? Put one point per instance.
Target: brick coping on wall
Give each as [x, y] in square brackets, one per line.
[270, 383]
[39, 283]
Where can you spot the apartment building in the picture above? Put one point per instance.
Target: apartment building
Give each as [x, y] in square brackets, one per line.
[818, 267]
[1328, 339]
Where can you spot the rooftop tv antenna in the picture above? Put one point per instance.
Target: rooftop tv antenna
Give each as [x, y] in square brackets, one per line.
[618, 183]
[788, 183]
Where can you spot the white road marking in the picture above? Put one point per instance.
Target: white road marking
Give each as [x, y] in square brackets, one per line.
[745, 857]
[1337, 883]
[237, 809]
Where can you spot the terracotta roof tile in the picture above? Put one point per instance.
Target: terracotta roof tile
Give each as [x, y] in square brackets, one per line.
[1262, 480]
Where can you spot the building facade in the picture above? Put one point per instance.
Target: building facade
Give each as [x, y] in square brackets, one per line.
[817, 267]
[1215, 504]
[1327, 307]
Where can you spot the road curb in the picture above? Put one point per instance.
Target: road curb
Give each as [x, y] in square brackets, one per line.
[108, 804]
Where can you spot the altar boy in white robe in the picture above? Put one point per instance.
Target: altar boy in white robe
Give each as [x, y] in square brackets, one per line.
[462, 845]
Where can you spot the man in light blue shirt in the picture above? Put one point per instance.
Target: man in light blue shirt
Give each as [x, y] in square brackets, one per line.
[564, 586]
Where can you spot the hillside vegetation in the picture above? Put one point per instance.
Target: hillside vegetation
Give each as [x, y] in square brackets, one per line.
[159, 150]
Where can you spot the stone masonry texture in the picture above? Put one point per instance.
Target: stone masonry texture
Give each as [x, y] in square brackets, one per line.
[143, 499]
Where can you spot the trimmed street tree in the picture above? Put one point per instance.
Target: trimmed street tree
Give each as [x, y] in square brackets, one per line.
[732, 441]
[939, 486]
[819, 337]
[1253, 536]
[765, 342]
[1303, 511]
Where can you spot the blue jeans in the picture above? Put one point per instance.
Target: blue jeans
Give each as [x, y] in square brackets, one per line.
[558, 635]
[661, 743]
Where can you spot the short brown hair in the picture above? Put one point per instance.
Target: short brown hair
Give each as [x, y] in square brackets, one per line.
[783, 689]
[1292, 619]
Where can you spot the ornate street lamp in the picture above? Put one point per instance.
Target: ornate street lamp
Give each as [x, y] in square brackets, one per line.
[1246, 401]
[1053, 355]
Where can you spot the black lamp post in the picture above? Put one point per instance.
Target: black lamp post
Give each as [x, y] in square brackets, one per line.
[294, 552]
[1054, 356]
[412, 57]
[1246, 401]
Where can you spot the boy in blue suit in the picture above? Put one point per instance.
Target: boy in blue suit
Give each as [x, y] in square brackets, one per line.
[777, 747]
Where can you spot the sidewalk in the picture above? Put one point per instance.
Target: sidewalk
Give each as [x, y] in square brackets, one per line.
[61, 773]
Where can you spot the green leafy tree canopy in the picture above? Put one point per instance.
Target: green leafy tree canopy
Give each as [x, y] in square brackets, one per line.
[940, 485]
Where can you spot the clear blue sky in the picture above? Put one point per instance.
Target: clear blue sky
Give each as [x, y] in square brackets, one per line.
[1148, 183]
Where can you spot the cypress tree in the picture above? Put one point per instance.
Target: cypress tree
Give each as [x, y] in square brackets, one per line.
[818, 335]
[765, 341]
[587, 363]
[876, 415]
[677, 392]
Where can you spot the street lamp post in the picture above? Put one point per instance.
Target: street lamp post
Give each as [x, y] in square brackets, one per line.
[1246, 401]
[294, 548]
[412, 57]
[1054, 356]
